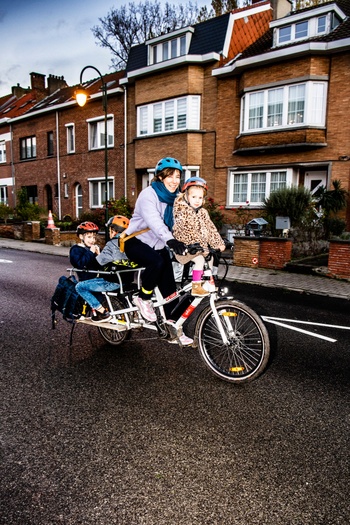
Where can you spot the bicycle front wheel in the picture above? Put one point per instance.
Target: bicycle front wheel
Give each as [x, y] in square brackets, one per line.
[247, 352]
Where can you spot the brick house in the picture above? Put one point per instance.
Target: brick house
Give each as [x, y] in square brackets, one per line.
[58, 151]
[288, 122]
[14, 105]
[172, 96]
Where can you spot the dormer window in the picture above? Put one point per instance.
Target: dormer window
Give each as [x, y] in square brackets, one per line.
[164, 48]
[320, 21]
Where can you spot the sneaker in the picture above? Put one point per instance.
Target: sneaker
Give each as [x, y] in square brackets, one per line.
[100, 317]
[184, 340]
[146, 309]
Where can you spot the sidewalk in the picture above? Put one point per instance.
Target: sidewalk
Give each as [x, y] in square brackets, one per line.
[313, 284]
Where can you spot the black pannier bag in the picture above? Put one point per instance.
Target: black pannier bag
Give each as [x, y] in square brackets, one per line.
[67, 300]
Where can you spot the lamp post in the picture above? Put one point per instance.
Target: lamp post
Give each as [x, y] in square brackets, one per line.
[81, 97]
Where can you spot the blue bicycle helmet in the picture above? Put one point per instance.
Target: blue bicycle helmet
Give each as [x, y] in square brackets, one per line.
[168, 162]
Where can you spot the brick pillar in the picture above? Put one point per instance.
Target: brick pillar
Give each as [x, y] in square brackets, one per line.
[275, 252]
[31, 231]
[339, 259]
[246, 251]
[52, 236]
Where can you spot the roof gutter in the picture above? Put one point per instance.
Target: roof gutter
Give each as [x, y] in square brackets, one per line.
[283, 54]
[169, 64]
[56, 107]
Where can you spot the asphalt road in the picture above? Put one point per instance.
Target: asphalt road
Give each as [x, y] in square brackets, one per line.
[143, 434]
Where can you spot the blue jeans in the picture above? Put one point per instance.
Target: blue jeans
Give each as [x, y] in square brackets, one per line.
[84, 288]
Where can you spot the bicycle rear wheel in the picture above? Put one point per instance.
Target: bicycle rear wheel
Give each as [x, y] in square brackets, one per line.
[115, 337]
[247, 353]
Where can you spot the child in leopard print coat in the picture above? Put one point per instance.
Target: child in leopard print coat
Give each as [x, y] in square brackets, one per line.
[192, 224]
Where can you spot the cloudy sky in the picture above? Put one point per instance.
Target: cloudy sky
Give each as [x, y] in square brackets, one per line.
[52, 38]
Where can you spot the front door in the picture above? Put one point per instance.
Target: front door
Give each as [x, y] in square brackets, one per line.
[314, 180]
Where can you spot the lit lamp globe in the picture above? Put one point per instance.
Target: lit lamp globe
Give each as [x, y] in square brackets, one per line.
[81, 97]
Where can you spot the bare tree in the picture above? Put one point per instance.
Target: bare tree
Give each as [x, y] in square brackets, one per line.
[223, 6]
[134, 24]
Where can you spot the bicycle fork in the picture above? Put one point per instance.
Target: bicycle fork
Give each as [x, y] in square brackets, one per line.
[219, 322]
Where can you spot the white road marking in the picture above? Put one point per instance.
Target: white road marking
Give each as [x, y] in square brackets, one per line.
[5, 261]
[282, 322]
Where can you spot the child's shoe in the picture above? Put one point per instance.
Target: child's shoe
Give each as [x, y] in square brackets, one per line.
[100, 317]
[198, 290]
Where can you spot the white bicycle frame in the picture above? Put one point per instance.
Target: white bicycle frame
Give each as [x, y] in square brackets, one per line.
[127, 323]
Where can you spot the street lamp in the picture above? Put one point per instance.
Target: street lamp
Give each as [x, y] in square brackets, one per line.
[81, 96]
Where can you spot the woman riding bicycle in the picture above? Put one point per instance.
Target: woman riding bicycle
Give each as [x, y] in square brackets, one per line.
[154, 210]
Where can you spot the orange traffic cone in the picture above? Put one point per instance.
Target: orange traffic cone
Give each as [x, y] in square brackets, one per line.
[50, 223]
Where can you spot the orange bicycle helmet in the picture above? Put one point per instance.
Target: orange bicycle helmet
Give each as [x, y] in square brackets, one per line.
[87, 227]
[118, 223]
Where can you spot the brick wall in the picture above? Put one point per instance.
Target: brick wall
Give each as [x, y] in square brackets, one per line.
[339, 259]
[274, 252]
[246, 252]
[262, 252]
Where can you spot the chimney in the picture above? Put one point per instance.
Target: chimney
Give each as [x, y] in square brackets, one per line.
[37, 81]
[281, 8]
[18, 91]
[54, 83]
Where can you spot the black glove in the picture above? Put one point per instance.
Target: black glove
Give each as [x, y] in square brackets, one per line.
[178, 247]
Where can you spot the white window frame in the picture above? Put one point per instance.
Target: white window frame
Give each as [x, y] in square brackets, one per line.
[97, 192]
[96, 132]
[258, 107]
[70, 131]
[163, 50]
[2, 151]
[167, 116]
[256, 181]
[3, 195]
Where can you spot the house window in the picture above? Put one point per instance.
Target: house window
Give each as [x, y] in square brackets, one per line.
[32, 194]
[3, 151]
[97, 133]
[301, 29]
[170, 115]
[28, 148]
[50, 143]
[292, 105]
[3, 194]
[255, 187]
[321, 24]
[78, 200]
[97, 192]
[293, 32]
[70, 138]
[296, 104]
[172, 48]
[285, 34]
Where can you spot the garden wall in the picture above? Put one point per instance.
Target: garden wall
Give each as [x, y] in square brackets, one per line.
[262, 252]
[339, 259]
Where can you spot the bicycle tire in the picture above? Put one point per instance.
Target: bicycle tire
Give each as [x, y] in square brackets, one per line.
[247, 354]
[115, 337]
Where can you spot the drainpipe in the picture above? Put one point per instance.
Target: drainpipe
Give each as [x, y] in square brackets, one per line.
[12, 169]
[125, 141]
[58, 168]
